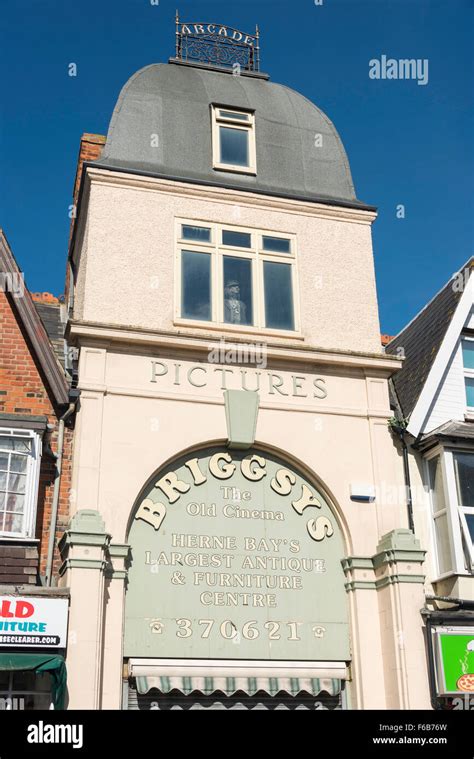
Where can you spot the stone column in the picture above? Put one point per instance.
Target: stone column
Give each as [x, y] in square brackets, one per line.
[83, 550]
[116, 578]
[399, 582]
[366, 688]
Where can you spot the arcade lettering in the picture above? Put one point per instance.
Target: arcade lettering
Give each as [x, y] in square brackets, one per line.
[200, 30]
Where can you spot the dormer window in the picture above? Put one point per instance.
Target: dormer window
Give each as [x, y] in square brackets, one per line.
[233, 140]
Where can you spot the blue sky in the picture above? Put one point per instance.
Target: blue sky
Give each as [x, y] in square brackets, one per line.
[408, 144]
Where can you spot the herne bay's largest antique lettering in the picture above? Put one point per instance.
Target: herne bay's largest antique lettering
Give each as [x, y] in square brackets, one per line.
[235, 556]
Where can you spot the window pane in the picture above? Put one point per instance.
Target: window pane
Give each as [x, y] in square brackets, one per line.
[234, 146]
[238, 291]
[13, 522]
[24, 679]
[470, 526]
[436, 485]
[42, 682]
[196, 285]
[14, 502]
[236, 239]
[22, 446]
[3, 480]
[278, 296]
[3, 461]
[4, 682]
[37, 701]
[442, 544]
[464, 464]
[468, 353]
[202, 234]
[17, 483]
[17, 463]
[10, 443]
[277, 244]
[234, 115]
[469, 391]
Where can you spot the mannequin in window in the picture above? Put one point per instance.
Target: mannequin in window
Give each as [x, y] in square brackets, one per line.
[234, 308]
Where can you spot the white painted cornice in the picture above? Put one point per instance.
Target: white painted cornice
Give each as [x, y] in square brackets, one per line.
[106, 335]
[232, 197]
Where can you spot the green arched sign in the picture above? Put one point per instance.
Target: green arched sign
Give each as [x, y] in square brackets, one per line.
[235, 555]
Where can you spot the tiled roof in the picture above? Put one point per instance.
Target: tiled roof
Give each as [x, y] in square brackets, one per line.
[451, 429]
[419, 342]
[50, 315]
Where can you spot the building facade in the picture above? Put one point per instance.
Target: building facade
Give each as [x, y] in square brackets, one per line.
[231, 543]
[433, 395]
[35, 468]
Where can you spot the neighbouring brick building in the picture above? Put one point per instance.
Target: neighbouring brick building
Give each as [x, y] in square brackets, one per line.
[35, 461]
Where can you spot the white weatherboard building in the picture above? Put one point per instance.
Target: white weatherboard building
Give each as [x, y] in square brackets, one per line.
[227, 548]
[434, 392]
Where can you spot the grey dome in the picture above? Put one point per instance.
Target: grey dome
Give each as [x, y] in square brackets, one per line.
[172, 101]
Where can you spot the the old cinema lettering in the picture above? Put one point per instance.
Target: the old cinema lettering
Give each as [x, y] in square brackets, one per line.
[214, 30]
[222, 467]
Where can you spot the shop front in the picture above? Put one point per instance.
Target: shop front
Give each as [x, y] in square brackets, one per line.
[236, 593]
[33, 633]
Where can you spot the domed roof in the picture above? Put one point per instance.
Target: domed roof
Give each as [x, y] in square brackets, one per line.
[172, 101]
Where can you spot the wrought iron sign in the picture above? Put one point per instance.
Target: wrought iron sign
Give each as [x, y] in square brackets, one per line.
[217, 45]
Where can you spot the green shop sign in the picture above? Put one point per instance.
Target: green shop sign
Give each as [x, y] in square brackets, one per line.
[235, 556]
[455, 660]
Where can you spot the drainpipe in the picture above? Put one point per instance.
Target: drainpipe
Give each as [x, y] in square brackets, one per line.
[462, 603]
[406, 469]
[398, 426]
[55, 504]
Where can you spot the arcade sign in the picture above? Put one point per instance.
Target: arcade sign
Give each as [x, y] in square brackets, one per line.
[217, 44]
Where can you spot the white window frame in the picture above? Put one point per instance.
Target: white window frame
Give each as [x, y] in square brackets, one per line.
[32, 483]
[468, 373]
[218, 120]
[457, 526]
[257, 255]
[439, 453]
[463, 510]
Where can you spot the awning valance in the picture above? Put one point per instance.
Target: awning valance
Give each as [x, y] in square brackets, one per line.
[230, 677]
[231, 685]
[55, 665]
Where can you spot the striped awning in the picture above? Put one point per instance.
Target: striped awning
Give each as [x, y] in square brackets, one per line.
[230, 677]
[231, 685]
